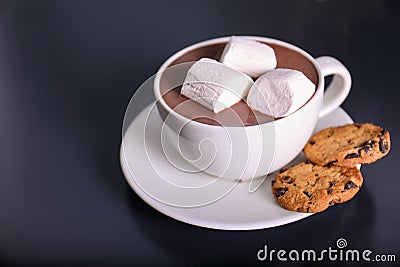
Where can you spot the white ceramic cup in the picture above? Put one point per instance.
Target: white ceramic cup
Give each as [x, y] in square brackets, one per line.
[249, 151]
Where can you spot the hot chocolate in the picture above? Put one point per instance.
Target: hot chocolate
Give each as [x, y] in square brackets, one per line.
[239, 114]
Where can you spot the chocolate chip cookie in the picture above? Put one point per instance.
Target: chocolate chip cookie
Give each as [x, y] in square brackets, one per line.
[348, 145]
[307, 187]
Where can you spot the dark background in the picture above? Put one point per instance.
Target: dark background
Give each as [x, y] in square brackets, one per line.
[67, 72]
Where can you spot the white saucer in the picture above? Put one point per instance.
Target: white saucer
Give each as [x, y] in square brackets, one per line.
[143, 163]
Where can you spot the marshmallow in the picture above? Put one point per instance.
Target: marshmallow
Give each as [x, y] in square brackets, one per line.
[280, 92]
[248, 56]
[215, 85]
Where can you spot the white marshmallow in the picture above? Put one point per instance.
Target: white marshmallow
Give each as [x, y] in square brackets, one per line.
[280, 92]
[215, 85]
[248, 56]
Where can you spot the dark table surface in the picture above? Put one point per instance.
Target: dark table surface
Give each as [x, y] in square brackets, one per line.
[67, 72]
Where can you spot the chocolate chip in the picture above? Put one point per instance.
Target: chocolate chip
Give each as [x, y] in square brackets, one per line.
[308, 209]
[384, 131]
[280, 192]
[330, 164]
[349, 185]
[369, 143]
[282, 170]
[365, 149]
[330, 190]
[272, 182]
[308, 162]
[383, 146]
[332, 183]
[307, 193]
[352, 156]
[311, 142]
[287, 179]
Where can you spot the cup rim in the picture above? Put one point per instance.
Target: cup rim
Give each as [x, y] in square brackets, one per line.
[225, 39]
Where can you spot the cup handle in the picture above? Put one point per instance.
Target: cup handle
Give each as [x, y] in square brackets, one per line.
[339, 88]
